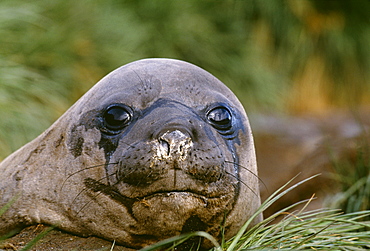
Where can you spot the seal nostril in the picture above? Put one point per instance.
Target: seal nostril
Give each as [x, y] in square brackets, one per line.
[165, 146]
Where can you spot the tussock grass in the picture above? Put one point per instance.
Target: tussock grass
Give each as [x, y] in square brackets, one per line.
[323, 229]
[354, 179]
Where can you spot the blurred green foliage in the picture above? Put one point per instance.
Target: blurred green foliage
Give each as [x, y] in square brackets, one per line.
[271, 53]
[353, 176]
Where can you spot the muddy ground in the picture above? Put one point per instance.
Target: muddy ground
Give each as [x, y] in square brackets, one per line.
[57, 240]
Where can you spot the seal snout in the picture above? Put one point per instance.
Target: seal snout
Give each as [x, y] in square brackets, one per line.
[174, 144]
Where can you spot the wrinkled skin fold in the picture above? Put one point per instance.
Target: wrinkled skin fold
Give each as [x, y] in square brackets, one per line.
[157, 148]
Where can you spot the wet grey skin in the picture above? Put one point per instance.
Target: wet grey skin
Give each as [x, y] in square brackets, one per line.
[157, 148]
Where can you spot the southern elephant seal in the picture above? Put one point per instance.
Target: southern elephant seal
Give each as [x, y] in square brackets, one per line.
[156, 148]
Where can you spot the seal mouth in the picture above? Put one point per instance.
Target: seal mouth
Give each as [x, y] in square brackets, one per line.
[177, 180]
[166, 193]
[205, 197]
[112, 192]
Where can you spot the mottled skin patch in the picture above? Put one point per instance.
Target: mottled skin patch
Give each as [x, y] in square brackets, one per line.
[157, 148]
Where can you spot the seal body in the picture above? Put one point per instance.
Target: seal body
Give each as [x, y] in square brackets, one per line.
[157, 148]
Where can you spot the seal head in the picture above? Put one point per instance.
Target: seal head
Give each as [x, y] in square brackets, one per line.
[157, 148]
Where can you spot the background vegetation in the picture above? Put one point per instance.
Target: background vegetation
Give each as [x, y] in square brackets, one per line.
[294, 56]
[286, 55]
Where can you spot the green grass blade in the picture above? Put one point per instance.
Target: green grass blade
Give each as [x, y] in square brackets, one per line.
[36, 239]
[268, 202]
[9, 204]
[176, 240]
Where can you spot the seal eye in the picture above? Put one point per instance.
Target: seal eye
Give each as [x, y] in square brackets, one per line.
[220, 118]
[116, 117]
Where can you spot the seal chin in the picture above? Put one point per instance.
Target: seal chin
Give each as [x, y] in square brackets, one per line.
[168, 214]
[164, 213]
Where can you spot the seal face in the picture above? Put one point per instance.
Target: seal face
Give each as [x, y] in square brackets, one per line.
[157, 148]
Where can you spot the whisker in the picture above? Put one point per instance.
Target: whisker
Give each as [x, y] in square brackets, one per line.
[127, 144]
[232, 175]
[108, 190]
[141, 80]
[259, 179]
[99, 193]
[85, 189]
[87, 203]
[84, 169]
